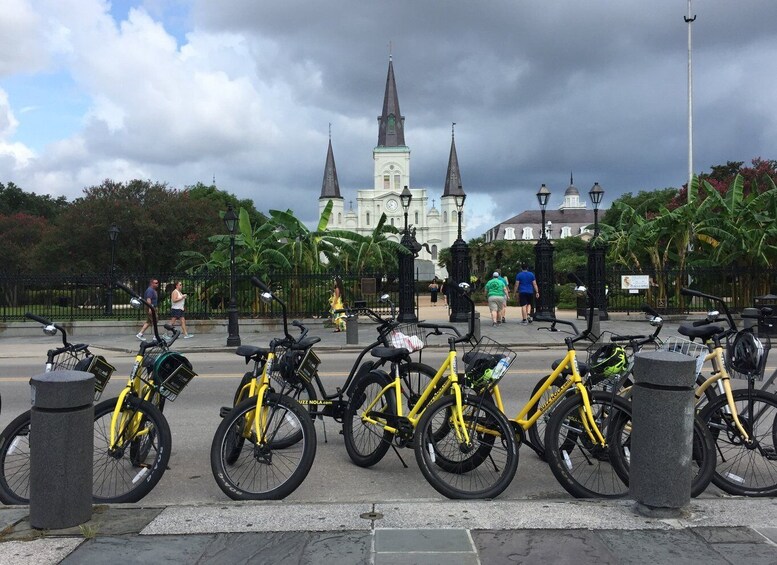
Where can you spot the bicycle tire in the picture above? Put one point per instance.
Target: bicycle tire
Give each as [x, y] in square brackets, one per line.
[580, 466]
[478, 474]
[416, 377]
[15, 461]
[261, 471]
[741, 469]
[702, 456]
[118, 475]
[368, 443]
[537, 431]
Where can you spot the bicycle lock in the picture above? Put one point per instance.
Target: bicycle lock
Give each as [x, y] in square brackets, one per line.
[62, 443]
[662, 435]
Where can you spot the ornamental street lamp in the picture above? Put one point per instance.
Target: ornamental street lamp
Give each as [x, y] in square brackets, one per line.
[460, 310]
[543, 262]
[406, 264]
[230, 220]
[597, 250]
[113, 234]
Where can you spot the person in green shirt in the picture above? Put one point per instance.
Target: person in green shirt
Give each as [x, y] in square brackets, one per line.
[496, 291]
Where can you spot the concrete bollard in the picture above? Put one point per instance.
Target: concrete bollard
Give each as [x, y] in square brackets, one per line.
[662, 434]
[61, 447]
[596, 326]
[476, 328]
[352, 329]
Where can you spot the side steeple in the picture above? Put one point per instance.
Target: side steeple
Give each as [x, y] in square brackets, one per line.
[330, 187]
[391, 125]
[453, 184]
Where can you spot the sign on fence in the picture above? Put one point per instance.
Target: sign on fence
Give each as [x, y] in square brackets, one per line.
[634, 283]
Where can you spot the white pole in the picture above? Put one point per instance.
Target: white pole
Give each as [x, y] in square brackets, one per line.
[689, 20]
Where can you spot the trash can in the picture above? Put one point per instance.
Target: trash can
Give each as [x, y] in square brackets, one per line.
[61, 447]
[769, 327]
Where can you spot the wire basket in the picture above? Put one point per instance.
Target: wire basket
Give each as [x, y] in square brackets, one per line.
[408, 335]
[81, 360]
[607, 362]
[687, 347]
[286, 364]
[67, 360]
[486, 364]
[758, 373]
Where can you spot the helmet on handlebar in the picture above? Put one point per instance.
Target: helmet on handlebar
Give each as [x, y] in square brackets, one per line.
[607, 362]
[746, 353]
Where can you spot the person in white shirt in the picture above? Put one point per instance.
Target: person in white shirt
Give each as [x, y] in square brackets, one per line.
[177, 300]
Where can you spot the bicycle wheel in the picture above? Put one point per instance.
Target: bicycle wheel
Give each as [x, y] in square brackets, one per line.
[261, 471]
[537, 431]
[484, 463]
[128, 471]
[416, 377]
[581, 465]
[15, 461]
[744, 468]
[365, 442]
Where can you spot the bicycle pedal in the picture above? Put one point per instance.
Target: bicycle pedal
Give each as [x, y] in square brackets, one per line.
[224, 410]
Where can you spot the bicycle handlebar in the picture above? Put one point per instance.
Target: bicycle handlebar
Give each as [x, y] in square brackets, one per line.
[695, 293]
[46, 322]
[152, 309]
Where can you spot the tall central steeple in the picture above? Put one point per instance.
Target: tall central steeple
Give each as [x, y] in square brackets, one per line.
[391, 125]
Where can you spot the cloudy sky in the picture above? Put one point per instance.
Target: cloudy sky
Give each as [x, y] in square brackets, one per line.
[180, 91]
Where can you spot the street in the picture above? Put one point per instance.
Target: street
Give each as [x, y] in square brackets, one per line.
[194, 416]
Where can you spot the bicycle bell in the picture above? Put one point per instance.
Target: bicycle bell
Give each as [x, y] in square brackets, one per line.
[136, 302]
[50, 330]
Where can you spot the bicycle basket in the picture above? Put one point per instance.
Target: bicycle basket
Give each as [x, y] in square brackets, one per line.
[286, 364]
[408, 336]
[687, 347]
[486, 364]
[746, 355]
[606, 363]
[69, 360]
[172, 372]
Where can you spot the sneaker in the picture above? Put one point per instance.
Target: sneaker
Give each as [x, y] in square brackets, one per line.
[140, 337]
[530, 319]
[494, 324]
[503, 321]
[188, 336]
[524, 322]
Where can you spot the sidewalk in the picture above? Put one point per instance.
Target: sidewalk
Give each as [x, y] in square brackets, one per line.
[571, 531]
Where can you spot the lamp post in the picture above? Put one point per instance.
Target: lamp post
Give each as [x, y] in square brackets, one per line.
[543, 262]
[113, 234]
[406, 263]
[597, 251]
[230, 220]
[460, 311]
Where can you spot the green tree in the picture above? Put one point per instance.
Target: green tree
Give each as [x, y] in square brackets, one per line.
[14, 200]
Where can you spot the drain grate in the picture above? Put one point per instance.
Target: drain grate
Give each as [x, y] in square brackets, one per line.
[371, 515]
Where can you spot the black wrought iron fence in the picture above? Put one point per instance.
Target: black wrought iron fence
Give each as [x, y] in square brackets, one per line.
[85, 297]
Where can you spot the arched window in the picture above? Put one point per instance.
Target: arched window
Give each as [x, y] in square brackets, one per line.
[396, 182]
[368, 219]
[509, 233]
[416, 218]
[527, 233]
[434, 253]
[445, 217]
[392, 221]
[386, 182]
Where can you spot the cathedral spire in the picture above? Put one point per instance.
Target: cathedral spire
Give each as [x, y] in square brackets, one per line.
[453, 184]
[330, 187]
[391, 124]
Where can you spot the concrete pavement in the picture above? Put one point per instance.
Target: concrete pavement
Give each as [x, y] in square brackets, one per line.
[713, 530]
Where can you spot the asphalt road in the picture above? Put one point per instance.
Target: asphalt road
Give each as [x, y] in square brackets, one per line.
[194, 417]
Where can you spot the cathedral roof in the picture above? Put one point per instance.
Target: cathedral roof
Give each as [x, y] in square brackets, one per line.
[330, 187]
[453, 185]
[391, 124]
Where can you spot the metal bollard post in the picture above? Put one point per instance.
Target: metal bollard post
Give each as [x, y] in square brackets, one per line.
[662, 434]
[61, 446]
[596, 328]
[352, 329]
[476, 330]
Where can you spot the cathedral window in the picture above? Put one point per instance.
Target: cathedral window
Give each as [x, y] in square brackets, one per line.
[368, 219]
[566, 231]
[445, 217]
[509, 233]
[339, 218]
[386, 182]
[416, 218]
[527, 233]
[434, 253]
[392, 122]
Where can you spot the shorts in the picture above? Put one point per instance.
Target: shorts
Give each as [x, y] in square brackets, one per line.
[149, 319]
[496, 303]
[176, 313]
[524, 298]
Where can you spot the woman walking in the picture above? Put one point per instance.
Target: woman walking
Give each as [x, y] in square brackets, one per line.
[336, 300]
[177, 301]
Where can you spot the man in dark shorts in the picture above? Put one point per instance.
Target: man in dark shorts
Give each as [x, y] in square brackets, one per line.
[151, 296]
[526, 289]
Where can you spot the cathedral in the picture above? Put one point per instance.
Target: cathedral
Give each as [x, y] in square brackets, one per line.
[435, 228]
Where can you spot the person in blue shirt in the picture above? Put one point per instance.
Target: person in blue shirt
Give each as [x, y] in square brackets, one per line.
[151, 297]
[526, 289]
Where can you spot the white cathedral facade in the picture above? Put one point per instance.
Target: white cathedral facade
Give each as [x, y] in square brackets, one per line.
[435, 227]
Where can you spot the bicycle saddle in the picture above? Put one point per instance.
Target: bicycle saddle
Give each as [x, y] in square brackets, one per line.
[390, 353]
[305, 343]
[582, 367]
[702, 332]
[252, 352]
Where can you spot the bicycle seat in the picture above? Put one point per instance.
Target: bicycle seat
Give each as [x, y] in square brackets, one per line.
[702, 332]
[390, 353]
[252, 352]
[582, 367]
[305, 343]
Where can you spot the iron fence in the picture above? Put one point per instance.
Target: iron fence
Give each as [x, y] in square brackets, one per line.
[84, 297]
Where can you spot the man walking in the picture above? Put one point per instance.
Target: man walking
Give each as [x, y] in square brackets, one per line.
[526, 289]
[496, 291]
[150, 297]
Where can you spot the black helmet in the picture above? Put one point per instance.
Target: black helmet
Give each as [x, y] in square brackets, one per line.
[746, 354]
[607, 362]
